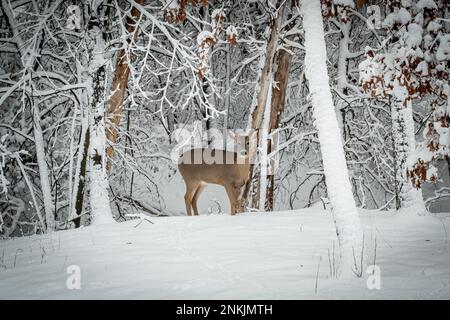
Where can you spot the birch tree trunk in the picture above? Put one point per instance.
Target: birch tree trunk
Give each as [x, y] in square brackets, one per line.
[346, 218]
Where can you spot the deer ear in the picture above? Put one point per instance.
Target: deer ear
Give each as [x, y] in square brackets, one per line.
[231, 134]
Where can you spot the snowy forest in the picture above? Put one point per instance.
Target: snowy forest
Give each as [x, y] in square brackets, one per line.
[341, 109]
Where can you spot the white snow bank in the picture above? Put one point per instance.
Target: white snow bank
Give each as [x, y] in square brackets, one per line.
[249, 256]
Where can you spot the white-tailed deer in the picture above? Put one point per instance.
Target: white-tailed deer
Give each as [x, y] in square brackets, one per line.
[203, 166]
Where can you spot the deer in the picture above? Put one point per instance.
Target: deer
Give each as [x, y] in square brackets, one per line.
[202, 166]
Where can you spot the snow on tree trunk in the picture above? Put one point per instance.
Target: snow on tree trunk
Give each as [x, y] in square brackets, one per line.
[98, 182]
[411, 199]
[347, 222]
[119, 85]
[342, 71]
[43, 170]
[263, 147]
[228, 94]
[79, 183]
[262, 90]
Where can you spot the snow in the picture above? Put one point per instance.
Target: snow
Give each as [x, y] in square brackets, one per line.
[98, 184]
[401, 16]
[99, 199]
[369, 69]
[231, 31]
[406, 3]
[248, 256]
[172, 4]
[414, 35]
[345, 3]
[264, 144]
[426, 4]
[98, 59]
[217, 16]
[49, 110]
[434, 26]
[232, 34]
[422, 67]
[443, 52]
[205, 36]
[404, 136]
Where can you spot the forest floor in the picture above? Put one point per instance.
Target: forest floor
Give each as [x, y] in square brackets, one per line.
[280, 255]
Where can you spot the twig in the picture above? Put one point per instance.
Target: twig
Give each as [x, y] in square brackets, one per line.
[317, 274]
[43, 254]
[2, 261]
[358, 271]
[15, 256]
[375, 253]
[144, 219]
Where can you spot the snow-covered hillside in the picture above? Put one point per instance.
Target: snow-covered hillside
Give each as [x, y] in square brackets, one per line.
[281, 255]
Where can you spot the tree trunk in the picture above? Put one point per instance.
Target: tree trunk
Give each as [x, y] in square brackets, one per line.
[264, 146]
[37, 129]
[81, 180]
[342, 72]
[43, 169]
[410, 198]
[227, 95]
[118, 86]
[339, 189]
[79, 185]
[262, 92]
[447, 158]
[98, 183]
[95, 90]
[281, 78]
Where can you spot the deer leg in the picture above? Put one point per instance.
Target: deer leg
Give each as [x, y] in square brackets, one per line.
[190, 191]
[232, 199]
[196, 196]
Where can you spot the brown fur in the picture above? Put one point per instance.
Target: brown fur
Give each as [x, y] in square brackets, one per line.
[197, 175]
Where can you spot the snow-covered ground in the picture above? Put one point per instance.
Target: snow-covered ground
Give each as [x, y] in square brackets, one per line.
[248, 256]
